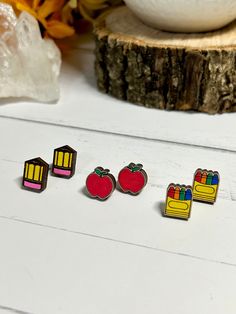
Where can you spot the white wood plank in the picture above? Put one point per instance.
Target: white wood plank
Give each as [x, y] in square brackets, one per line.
[50, 271]
[81, 105]
[208, 235]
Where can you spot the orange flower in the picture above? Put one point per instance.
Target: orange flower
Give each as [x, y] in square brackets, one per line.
[56, 16]
[48, 13]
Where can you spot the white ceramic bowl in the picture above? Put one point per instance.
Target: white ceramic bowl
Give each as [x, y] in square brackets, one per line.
[184, 15]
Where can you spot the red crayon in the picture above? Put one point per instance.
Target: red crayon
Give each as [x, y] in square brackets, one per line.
[198, 176]
[171, 192]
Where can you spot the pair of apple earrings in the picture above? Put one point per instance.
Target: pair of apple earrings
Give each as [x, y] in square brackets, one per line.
[101, 183]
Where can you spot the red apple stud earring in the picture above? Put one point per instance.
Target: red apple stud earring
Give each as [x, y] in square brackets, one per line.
[100, 183]
[132, 178]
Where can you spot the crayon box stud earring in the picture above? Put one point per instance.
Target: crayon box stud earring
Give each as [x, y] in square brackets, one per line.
[100, 183]
[178, 201]
[205, 185]
[132, 178]
[64, 161]
[35, 175]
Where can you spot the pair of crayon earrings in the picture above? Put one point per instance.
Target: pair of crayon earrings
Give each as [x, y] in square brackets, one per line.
[36, 170]
[180, 197]
[101, 183]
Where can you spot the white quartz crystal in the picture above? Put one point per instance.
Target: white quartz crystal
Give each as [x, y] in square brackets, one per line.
[29, 64]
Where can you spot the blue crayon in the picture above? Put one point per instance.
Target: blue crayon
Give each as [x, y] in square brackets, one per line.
[215, 179]
[188, 195]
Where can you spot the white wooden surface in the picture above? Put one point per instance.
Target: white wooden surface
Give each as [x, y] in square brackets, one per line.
[62, 252]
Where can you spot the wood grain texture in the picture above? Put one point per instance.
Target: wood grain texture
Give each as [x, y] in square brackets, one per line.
[123, 218]
[64, 253]
[165, 70]
[82, 106]
[55, 271]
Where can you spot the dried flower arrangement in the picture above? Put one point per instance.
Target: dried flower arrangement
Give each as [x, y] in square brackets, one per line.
[58, 18]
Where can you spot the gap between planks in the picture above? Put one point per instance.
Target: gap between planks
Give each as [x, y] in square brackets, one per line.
[158, 140]
[142, 246]
[12, 310]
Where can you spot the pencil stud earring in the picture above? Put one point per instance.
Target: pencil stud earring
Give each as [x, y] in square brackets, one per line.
[100, 183]
[35, 175]
[64, 161]
[132, 178]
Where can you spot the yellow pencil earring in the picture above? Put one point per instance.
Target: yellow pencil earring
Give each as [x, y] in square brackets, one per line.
[35, 175]
[64, 162]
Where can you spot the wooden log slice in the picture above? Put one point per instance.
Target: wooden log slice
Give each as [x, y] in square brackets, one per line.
[166, 70]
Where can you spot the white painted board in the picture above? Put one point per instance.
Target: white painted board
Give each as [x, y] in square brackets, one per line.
[207, 235]
[55, 271]
[62, 252]
[81, 105]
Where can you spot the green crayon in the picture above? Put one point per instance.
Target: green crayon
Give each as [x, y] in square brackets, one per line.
[182, 194]
[209, 178]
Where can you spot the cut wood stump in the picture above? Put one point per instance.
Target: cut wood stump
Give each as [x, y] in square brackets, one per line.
[166, 70]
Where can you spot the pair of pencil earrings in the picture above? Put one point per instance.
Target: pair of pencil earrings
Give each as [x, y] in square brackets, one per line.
[36, 170]
[100, 183]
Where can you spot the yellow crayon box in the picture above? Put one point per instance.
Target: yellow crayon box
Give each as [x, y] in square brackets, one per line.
[205, 185]
[178, 201]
